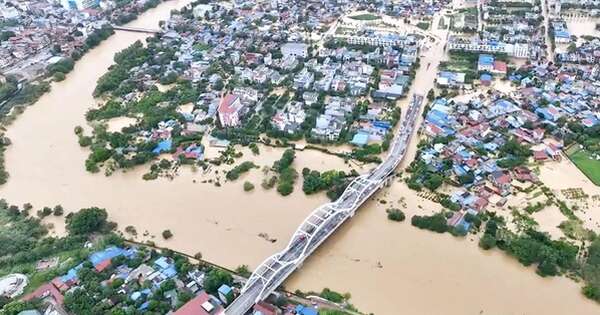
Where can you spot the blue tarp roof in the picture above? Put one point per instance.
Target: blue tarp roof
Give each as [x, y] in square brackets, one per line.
[305, 310]
[562, 34]
[163, 146]
[382, 124]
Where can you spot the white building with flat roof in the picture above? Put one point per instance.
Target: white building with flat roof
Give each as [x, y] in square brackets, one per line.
[514, 50]
[79, 4]
[294, 50]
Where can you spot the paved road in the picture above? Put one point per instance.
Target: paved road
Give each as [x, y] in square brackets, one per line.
[325, 220]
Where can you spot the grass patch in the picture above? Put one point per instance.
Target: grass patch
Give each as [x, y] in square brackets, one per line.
[202, 46]
[365, 17]
[574, 229]
[586, 164]
[423, 25]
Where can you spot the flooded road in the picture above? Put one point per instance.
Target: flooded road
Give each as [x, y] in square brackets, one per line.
[389, 268]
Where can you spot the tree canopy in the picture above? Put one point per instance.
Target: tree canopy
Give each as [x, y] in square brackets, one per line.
[87, 221]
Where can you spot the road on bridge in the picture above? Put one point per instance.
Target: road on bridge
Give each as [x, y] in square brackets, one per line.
[325, 220]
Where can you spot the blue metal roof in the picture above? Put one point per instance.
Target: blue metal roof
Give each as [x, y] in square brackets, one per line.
[486, 59]
[225, 289]
[162, 262]
[108, 253]
[360, 139]
[71, 274]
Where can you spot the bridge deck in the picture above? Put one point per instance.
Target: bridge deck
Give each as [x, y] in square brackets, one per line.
[324, 221]
[135, 29]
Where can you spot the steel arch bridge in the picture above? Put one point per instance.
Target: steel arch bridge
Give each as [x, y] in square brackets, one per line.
[324, 221]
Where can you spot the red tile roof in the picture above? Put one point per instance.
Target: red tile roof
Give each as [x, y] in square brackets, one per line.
[540, 155]
[226, 104]
[194, 306]
[265, 308]
[500, 66]
[103, 265]
[44, 291]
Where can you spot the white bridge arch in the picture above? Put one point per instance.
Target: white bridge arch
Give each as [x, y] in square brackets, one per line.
[324, 221]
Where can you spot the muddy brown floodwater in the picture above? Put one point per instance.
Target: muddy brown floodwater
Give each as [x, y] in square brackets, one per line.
[389, 268]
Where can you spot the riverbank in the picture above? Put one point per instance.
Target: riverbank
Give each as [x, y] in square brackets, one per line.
[393, 268]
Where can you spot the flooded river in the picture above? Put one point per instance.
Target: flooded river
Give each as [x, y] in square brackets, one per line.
[388, 268]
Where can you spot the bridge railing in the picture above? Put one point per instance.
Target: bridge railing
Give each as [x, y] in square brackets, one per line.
[324, 220]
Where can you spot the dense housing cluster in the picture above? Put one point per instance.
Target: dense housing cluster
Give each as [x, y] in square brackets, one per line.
[243, 71]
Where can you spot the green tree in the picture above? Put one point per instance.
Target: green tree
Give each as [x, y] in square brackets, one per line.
[431, 95]
[58, 210]
[216, 278]
[87, 221]
[58, 76]
[243, 271]
[433, 182]
[487, 242]
[395, 215]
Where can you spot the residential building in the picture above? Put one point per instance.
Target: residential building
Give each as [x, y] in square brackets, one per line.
[230, 110]
[203, 304]
[299, 50]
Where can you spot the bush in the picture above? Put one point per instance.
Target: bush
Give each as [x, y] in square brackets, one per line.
[130, 229]
[254, 148]
[166, 234]
[395, 215]
[332, 296]
[243, 271]
[85, 141]
[436, 222]
[286, 160]
[58, 76]
[447, 203]
[239, 170]
[46, 211]
[285, 189]
[58, 210]
[248, 186]
[487, 242]
[269, 183]
[150, 176]
[286, 181]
